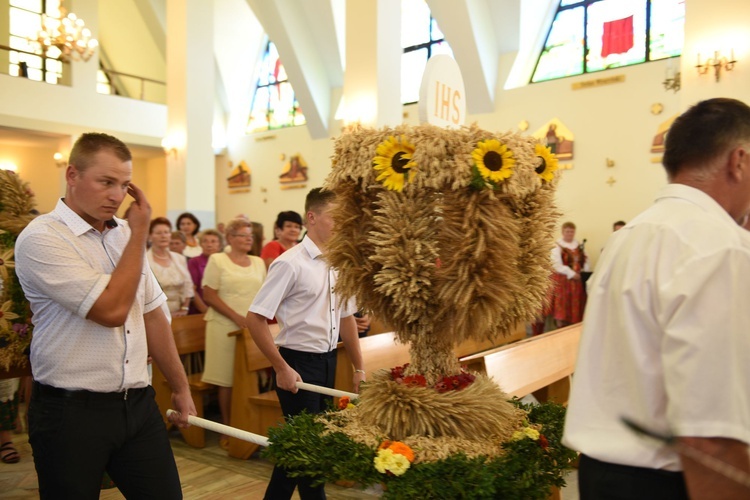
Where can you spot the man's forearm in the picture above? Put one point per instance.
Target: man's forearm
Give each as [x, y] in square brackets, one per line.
[705, 483]
[113, 305]
[162, 349]
[262, 337]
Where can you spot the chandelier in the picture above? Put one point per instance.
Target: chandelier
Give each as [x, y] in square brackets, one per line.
[68, 35]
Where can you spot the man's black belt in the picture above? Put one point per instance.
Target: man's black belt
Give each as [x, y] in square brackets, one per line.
[56, 392]
[311, 355]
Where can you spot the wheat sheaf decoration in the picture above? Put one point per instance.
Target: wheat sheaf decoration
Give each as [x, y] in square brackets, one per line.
[16, 211]
[443, 234]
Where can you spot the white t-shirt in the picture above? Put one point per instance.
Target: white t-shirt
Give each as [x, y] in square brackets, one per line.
[666, 336]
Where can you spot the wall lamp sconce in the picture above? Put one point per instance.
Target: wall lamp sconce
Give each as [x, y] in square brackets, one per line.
[672, 83]
[60, 160]
[170, 146]
[717, 63]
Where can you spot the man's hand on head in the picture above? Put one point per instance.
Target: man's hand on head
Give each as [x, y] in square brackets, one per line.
[139, 214]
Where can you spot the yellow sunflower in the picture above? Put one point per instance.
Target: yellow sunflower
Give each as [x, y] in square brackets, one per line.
[394, 162]
[494, 160]
[6, 262]
[6, 314]
[548, 165]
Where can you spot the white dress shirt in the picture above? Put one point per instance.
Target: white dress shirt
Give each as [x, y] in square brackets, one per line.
[299, 292]
[64, 265]
[666, 335]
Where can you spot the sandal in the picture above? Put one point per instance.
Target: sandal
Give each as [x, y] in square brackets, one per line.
[9, 454]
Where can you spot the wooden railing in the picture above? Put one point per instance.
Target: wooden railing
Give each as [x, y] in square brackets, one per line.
[121, 81]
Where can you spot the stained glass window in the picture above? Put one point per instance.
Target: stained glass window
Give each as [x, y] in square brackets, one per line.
[274, 104]
[421, 39]
[594, 35]
[25, 23]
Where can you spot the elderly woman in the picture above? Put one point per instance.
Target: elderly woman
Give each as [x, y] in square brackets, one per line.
[178, 243]
[211, 242]
[189, 225]
[170, 268]
[230, 282]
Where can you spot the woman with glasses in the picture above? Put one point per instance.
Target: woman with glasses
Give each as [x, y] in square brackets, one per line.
[230, 282]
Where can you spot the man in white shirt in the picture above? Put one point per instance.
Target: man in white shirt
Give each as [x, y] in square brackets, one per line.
[97, 317]
[299, 292]
[666, 336]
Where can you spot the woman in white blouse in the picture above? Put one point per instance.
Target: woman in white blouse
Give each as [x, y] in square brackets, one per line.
[170, 268]
[230, 282]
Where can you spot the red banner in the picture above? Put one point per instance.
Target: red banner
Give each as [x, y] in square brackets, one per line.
[617, 37]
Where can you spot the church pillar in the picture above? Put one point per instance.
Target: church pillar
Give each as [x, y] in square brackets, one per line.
[190, 102]
[372, 79]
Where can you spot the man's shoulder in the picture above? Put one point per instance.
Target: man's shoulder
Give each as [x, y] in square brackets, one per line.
[45, 224]
[686, 229]
[295, 254]
[289, 262]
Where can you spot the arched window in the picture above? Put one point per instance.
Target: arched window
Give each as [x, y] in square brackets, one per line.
[25, 23]
[274, 104]
[421, 39]
[594, 35]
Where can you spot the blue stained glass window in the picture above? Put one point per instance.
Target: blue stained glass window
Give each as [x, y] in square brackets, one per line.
[421, 38]
[274, 104]
[594, 35]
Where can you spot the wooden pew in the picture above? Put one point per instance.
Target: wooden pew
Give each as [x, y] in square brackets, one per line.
[540, 365]
[190, 337]
[251, 410]
[382, 351]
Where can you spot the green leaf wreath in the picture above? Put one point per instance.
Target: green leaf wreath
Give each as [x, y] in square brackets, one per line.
[533, 462]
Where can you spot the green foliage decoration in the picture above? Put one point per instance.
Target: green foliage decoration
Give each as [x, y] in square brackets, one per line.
[527, 470]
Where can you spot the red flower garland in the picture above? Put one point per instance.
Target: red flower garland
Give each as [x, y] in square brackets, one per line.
[445, 384]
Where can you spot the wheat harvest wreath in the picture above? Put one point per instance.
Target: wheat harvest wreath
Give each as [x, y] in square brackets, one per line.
[445, 235]
[16, 211]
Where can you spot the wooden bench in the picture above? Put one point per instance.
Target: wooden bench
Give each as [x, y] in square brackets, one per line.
[251, 410]
[190, 337]
[540, 365]
[382, 351]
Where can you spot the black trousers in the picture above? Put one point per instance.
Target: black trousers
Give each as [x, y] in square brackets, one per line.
[318, 369]
[75, 436]
[599, 480]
